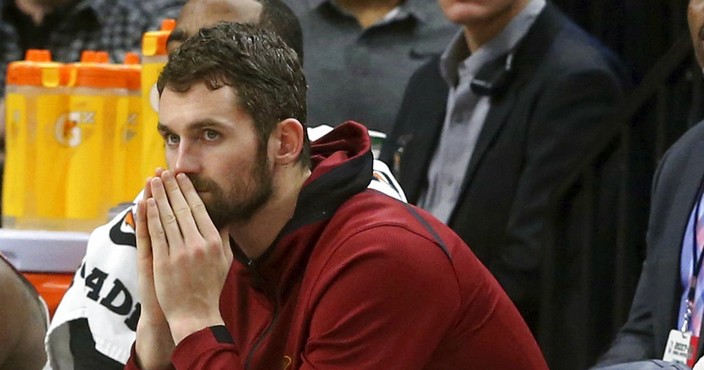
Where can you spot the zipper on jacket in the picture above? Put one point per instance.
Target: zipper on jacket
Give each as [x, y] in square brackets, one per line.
[270, 326]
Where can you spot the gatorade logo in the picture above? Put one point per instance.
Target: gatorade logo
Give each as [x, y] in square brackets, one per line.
[128, 135]
[129, 132]
[66, 130]
[132, 119]
[124, 237]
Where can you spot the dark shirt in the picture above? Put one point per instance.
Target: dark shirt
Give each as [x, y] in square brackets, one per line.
[360, 74]
[31, 35]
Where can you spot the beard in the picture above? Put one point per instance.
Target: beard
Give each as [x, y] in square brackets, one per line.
[243, 198]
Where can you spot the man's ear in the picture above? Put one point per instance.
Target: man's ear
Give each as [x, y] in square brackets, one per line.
[290, 134]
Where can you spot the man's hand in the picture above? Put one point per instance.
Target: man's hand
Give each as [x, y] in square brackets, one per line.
[191, 257]
[154, 343]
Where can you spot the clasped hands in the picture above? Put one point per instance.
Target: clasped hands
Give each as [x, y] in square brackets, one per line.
[183, 261]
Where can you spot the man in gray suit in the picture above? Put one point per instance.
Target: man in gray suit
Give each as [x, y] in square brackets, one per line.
[659, 319]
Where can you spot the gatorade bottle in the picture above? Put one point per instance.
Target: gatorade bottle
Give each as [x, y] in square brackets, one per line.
[36, 103]
[154, 57]
[97, 110]
[132, 135]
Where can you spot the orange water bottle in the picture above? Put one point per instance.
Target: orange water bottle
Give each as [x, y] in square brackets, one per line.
[154, 57]
[36, 103]
[97, 112]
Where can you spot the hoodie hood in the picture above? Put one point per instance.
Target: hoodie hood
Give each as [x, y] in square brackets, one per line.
[348, 142]
[341, 168]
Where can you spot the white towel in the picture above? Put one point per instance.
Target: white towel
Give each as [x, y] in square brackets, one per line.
[104, 290]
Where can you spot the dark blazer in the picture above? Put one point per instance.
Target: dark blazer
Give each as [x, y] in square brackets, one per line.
[656, 303]
[555, 105]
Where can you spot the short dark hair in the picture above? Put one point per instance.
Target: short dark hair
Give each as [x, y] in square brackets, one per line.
[264, 73]
[278, 17]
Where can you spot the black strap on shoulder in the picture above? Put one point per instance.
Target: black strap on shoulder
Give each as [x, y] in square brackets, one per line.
[430, 229]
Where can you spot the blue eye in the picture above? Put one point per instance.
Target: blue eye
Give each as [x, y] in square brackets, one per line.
[211, 135]
[171, 139]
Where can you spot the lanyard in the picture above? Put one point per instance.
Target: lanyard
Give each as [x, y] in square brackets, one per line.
[696, 266]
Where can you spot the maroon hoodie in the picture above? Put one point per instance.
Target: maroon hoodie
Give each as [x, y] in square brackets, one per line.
[358, 280]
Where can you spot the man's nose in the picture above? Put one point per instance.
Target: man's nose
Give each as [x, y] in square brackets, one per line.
[186, 159]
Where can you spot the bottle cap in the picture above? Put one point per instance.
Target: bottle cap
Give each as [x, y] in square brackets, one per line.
[132, 71]
[168, 24]
[38, 55]
[154, 42]
[36, 70]
[131, 58]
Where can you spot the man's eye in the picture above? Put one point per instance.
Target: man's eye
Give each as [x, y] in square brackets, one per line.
[171, 139]
[211, 135]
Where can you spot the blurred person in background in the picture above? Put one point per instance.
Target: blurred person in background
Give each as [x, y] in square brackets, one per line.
[360, 54]
[67, 27]
[273, 15]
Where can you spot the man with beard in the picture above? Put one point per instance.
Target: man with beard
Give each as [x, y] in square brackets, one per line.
[307, 268]
[94, 326]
